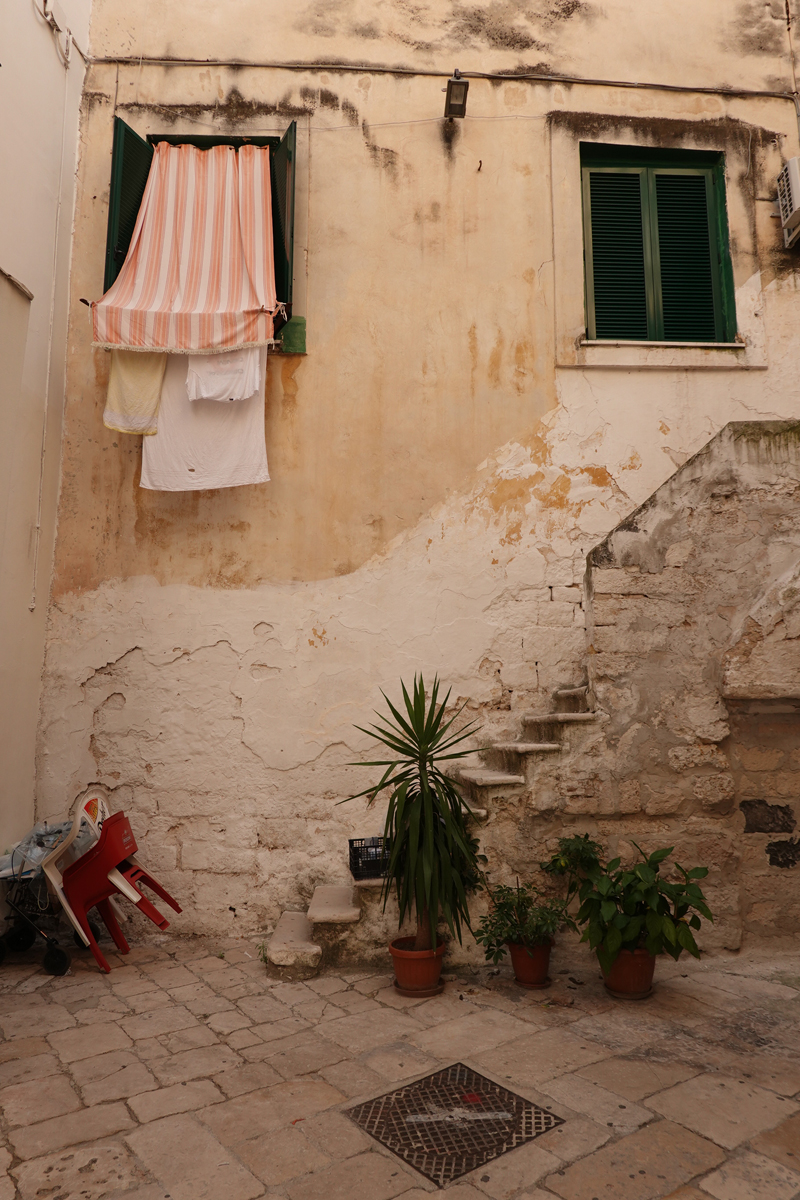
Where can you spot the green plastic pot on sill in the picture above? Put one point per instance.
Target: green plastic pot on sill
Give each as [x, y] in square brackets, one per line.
[293, 336]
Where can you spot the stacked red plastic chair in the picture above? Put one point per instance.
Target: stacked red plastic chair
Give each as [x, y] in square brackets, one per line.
[110, 869]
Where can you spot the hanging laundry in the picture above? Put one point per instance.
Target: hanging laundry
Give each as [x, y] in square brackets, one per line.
[234, 375]
[134, 391]
[203, 444]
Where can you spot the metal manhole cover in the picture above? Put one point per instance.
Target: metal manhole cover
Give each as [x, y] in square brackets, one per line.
[451, 1122]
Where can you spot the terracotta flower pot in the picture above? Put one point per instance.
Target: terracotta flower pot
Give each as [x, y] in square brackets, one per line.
[631, 974]
[416, 971]
[530, 963]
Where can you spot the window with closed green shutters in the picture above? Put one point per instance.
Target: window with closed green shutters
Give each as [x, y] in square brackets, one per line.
[656, 246]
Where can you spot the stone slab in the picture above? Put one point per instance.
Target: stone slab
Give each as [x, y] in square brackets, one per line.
[752, 1177]
[334, 904]
[292, 944]
[186, 1158]
[728, 1111]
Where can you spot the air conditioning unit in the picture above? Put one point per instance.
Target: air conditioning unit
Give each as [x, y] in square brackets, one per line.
[789, 201]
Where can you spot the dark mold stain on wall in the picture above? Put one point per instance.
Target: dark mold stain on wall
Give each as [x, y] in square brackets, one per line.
[784, 854]
[761, 817]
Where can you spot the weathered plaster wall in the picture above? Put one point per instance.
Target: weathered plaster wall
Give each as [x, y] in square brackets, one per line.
[445, 455]
[40, 100]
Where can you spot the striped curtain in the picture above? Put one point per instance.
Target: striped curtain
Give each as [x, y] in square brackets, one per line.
[200, 271]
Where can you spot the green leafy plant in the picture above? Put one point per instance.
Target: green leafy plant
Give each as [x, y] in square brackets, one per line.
[627, 908]
[433, 858]
[575, 858]
[519, 915]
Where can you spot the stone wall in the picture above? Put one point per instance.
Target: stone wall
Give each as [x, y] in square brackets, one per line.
[696, 750]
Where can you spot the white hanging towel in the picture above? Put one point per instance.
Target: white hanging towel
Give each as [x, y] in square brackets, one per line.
[134, 391]
[203, 444]
[234, 375]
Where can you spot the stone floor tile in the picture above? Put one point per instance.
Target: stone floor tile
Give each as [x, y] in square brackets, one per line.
[458, 1191]
[70, 1130]
[179, 1098]
[227, 1022]
[371, 984]
[447, 1007]
[326, 985]
[266, 1009]
[752, 1177]
[401, 1061]
[66, 991]
[36, 1066]
[150, 1191]
[390, 996]
[361, 1031]
[206, 1006]
[36, 1021]
[249, 1078]
[594, 1101]
[249, 988]
[276, 1159]
[99, 1016]
[310, 1053]
[257, 1113]
[538, 1057]
[169, 975]
[721, 1108]
[241, 1038]
[765, 1070]
[73, 1044]
[574, 1139]
[467, 1036]
[319, 1010]
[291, 993]
[353, 1079]
[621, 1031]
[90, 1172]
[188, 1160]
[223, 983]
[209, 965]
[756, 989]
[196, 990]
[354, 1002]
[158, 1022]
[148, 1001]
[635, 1078]
[27, 1103]
[129, 1081]
[336, 1134]
[189, 1039]
[191, 1064]
[151, 1048]
[101, 1066]
[368, 1175]
[781, 1143]
[508, 1174]
[642, 1166]
[23, 1048]
[690, 1192]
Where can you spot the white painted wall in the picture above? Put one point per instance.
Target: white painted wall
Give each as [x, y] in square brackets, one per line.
[40, 99]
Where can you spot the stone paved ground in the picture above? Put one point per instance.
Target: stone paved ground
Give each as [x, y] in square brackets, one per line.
[187, 1073]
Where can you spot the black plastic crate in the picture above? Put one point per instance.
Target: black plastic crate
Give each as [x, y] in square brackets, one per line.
[369, 857]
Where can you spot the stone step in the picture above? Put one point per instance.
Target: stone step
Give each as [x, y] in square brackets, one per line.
[572, 700]
[527, 747]
[486, 778]
[560, 718]
[564, 693]
[334, 904]
[292, 944]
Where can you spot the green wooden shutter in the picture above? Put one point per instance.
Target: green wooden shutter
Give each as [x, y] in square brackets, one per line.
[617, 254]
[283, 170]
[690, 311]
[130, 165]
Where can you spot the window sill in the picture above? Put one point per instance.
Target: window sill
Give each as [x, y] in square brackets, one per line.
[662, 356]
[672, 345]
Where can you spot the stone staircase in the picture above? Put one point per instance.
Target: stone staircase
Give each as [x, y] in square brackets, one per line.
[304, 941]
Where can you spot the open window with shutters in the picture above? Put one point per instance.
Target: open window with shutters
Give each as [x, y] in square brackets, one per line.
[130, 165]
[657, 264]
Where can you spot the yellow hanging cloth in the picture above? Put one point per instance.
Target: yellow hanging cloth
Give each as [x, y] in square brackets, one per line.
[134, 391]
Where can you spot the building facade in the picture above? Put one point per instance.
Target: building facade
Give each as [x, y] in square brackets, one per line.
[485, 396]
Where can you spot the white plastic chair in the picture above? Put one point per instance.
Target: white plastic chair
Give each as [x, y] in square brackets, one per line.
[90, 810]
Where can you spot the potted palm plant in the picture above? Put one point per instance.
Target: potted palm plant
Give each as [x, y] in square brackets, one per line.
[433, 859]
[522, 922]
[631, 915]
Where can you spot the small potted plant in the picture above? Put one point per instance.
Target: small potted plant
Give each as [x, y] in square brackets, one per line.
[633, 914]
[523, 923]
[433, 857]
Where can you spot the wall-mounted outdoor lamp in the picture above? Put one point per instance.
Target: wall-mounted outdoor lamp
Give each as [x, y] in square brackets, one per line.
[455, 102]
